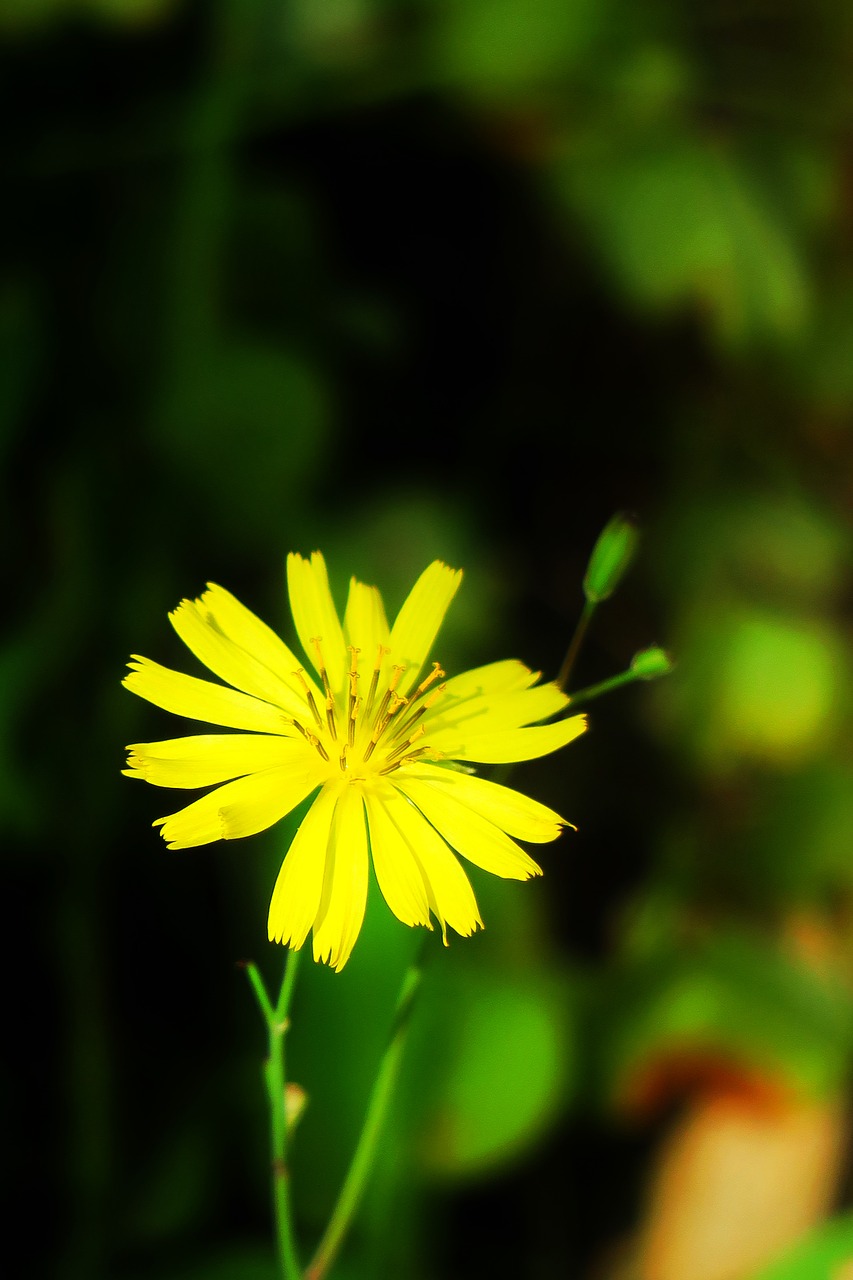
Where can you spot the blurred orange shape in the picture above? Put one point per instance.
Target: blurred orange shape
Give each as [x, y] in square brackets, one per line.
[737, 1184]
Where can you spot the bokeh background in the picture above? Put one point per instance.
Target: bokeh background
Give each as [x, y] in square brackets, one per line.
[405, 280]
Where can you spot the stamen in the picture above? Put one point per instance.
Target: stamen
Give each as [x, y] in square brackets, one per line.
[353, 679]
[424, 707]
[343, 760]
[317, 745]
[435, 674]
[309, 697]
[383, 706]
[321, 667]
[330, 718]
[396, 677]
[380, 654]
[398, 751]
[353, 717]
[378, 730]
[411, 755]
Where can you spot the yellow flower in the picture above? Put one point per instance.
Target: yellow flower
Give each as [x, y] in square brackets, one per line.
[380, 739]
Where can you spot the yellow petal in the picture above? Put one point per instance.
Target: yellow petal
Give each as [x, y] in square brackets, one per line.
[204, 759]
[228, 660]
[342, 902]
[495, 712]
[419, 619]
[315, 616]
[253, 636]
[514, 813]
[366, 627]
[507, 676]
[399, 875]
[451, 897]
[296, 896]
[477, 839]
[239, 808]
[508, 745]
[201, 699]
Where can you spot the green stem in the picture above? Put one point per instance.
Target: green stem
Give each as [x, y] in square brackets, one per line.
[605, 686]
[363, 1157]
[576, 642]
[275, 1075]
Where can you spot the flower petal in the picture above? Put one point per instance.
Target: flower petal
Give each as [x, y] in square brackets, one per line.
[365, 627]
[514, 813]
[419, 619]
[296, 896]
[200, 632]
[506, 676]
[196, 699]
[239, 808]
[451, 897]
[207, 758]
[495, 712]
[253, 636]
[399, 874]
[341, 911]
[508, 745]
[477, 839]
[315, 616]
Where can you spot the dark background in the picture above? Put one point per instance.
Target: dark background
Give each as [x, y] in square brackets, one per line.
[405, 281]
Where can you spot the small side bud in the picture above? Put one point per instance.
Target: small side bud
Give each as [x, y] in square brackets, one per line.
[649, 664]
[611, 557]
[295, 1102]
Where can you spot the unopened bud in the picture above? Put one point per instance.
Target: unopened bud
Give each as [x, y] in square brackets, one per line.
[611, 556]
[648, 664]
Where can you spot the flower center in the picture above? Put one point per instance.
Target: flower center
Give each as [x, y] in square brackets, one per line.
[372, 735]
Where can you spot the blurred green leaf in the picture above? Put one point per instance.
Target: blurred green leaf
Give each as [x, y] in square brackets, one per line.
[682, 221]
[826, 1254]
[29, 14]
[731, 998]
[506, 47]
[246, 425]
[499, 1068]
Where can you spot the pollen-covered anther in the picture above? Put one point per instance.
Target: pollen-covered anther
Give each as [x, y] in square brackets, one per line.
[403, 746]
[317, 745]
[435, 674]
[428, 702]
[396, 676]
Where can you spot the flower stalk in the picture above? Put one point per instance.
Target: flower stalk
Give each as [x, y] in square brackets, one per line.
[365, 1152]
[275, 1078]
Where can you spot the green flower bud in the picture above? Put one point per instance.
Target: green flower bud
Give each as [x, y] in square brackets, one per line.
[611, 556]
[648, 664]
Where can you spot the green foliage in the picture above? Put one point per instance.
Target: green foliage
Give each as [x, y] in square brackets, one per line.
[682, 221]
[498, 1072]
[732, 1002]
[822, 1256]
